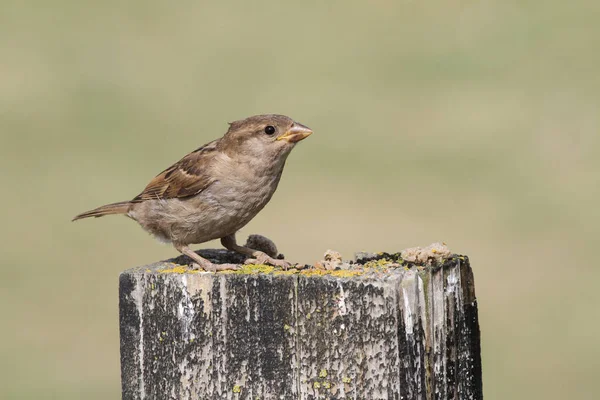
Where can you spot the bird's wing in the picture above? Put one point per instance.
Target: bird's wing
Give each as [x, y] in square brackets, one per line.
[187, 177]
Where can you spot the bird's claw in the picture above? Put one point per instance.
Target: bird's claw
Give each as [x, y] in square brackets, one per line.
[262, 258]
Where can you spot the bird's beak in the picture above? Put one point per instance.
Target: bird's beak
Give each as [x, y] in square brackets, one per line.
[296, 133]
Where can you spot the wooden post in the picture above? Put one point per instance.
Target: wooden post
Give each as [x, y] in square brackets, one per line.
[376, 331]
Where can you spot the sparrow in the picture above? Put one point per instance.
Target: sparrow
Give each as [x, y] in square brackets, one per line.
[215, 190]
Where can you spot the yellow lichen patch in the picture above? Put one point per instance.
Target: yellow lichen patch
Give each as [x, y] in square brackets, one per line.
[323, 373]
[345, 379]
[345, 273]
[339, 273]
[237, 389]
[317, 385]
[327, 385]
[314, 272]
[178, 269]
[228, 271]
[255, 269]
[383, 262]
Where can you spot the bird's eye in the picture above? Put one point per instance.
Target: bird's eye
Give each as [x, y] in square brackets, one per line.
[269, 130]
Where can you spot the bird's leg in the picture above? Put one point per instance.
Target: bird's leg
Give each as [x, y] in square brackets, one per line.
[203, 262]
[258, 256]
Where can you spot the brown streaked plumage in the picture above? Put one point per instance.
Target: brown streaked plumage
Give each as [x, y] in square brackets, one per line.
[217, 189]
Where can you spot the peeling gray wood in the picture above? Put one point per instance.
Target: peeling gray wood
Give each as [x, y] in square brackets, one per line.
[404, 333]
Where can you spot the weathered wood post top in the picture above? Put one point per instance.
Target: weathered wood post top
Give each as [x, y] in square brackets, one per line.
[385, 326]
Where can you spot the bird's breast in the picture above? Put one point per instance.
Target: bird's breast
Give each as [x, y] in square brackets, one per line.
[241, 188]
[244, 194]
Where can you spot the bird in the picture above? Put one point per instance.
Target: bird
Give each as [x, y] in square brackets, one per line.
[215, 190]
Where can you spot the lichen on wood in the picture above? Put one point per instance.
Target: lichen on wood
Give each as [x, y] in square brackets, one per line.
[382, 328]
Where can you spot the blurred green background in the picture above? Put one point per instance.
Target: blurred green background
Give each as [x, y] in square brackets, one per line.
[470, 122]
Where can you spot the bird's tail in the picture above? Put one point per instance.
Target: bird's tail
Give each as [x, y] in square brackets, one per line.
[115, 208]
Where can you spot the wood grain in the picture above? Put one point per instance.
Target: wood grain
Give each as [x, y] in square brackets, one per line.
[388, 333]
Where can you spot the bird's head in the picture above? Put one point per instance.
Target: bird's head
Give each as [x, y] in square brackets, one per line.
[268, 136]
